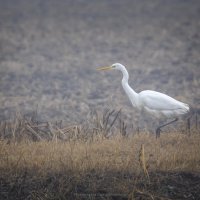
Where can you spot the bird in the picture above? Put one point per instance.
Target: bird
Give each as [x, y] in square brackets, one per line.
[157, 104]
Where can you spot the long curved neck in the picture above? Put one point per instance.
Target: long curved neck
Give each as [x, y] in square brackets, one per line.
[132, 95]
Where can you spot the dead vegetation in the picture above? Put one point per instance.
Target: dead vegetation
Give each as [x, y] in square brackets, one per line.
[106, 124]
[96, 160]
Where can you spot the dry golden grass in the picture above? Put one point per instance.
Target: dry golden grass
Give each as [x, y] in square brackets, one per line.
[79, 169]
[96, 160]
[172, 151]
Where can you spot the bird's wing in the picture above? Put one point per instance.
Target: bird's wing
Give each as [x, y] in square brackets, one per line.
[159, 101]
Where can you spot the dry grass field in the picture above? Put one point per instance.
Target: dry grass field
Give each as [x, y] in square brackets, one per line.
[49, 52]
[85, 140]
[102, 168]
[44, 162]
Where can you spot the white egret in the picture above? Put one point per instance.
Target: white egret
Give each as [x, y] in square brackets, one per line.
[155, 103]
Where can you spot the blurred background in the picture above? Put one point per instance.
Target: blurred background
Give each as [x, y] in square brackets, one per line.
[50, 49]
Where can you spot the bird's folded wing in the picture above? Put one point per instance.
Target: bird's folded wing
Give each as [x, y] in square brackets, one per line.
[159, 101]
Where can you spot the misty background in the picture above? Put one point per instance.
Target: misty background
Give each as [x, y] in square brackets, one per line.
[49, 52]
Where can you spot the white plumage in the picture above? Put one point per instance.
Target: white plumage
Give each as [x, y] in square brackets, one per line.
[159, 104]
[155, 103]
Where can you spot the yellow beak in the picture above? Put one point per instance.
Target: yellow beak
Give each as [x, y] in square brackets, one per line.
[105, 68]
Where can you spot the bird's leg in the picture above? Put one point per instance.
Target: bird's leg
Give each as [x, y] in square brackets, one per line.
[188, 125]
[161, 126]
[158, 132]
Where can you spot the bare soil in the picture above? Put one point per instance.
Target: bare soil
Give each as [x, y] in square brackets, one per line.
[179, 185]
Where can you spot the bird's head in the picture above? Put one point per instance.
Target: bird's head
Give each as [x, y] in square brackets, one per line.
[116, 66]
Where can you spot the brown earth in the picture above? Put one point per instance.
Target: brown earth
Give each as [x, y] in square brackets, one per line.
[164, 186]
